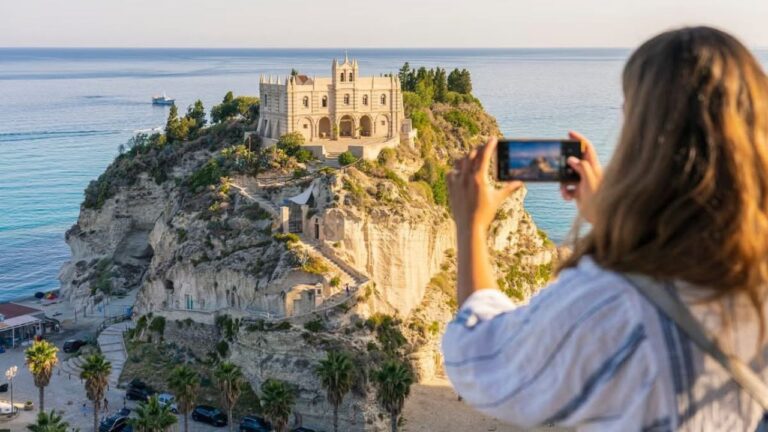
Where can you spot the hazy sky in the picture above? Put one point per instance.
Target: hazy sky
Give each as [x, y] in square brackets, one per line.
[365, 23]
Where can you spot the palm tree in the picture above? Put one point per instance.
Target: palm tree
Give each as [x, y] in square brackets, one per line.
[48, 422]
[336, 374]
[41, 358]
[185, 384]
[394, 381]
[230, 380]
[152, 416]
[96, 370]
[277, 399]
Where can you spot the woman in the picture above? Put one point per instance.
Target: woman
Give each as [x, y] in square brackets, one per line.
[684, 200]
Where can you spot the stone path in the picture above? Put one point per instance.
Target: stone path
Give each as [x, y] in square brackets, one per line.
[111, 345]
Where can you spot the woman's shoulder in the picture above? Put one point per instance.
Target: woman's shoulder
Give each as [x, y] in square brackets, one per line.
[588, 289]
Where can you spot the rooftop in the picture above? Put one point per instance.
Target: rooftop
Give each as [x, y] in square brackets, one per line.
[13, 310]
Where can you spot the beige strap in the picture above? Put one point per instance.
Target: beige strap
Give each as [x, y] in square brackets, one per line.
[660, 296]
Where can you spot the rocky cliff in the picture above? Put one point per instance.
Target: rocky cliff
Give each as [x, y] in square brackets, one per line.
[198, 228]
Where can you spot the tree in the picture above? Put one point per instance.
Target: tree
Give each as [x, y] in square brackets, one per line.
[277, 399]
[230, 382]
[48, 422]
[336, 373]
[232, 106]
[41, 358]
[460, 81]
[291, 143]
[393, 382]
[185, 384]
[176, 129]
[196, 116]
[441, 85]
[95, 372]
[152, 416]
[294, 72]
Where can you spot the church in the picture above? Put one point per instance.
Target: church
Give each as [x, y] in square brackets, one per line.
[345, 106]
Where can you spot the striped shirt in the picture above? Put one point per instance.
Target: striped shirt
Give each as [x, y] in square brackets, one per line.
[589, 351]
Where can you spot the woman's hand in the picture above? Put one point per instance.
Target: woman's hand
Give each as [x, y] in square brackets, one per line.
[591, 173]
[474, 200]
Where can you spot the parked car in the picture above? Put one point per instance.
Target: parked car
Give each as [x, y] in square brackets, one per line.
[254, 424]
[139, 391]
[208, 414]
[73, 345]
[167, 399]
[114, 423]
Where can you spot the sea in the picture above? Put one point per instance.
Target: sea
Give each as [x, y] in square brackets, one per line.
[64, 112]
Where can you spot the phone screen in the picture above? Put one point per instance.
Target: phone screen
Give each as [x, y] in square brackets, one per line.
[536, 160]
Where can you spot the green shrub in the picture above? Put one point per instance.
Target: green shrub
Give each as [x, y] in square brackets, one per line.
[347, 158]
[289, 238]
[315, 265]
[222, 348]
[315, 326]
[462, 120]
[207, 175]
[387, 157]
[157, 325]
[335, 281]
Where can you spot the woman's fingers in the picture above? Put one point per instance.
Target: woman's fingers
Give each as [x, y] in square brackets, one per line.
[568, 191]
[507, 189]
[584, 168]
[589, 154]
[483, 159]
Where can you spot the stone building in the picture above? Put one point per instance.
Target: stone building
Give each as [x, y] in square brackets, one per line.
[344, 105]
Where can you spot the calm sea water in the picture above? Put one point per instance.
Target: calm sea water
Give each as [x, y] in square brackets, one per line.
[63, 114]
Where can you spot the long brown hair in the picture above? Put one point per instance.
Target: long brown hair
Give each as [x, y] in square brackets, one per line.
[685, 196]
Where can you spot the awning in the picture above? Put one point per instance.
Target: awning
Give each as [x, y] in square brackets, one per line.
[18, 321]
[303, 197]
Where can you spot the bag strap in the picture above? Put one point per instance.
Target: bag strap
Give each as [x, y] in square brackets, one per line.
[660, 296]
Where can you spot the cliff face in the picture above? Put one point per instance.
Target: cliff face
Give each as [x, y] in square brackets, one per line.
[375, 258]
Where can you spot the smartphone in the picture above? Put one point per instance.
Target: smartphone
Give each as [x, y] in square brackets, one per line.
[537, 160]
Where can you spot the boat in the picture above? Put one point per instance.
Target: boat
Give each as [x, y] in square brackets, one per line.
[162, 100]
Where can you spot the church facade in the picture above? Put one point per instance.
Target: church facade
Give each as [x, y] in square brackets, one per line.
[344, 105]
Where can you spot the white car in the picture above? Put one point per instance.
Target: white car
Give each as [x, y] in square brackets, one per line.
[167, 399]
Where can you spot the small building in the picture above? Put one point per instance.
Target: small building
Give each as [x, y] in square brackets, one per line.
[20, 324]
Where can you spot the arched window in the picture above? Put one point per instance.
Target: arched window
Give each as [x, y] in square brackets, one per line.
[305, 102]
[342, 76]
[346, 99]
[325, 101]
[351, 77]
[265, 100]
[365, 99]
[383, 99]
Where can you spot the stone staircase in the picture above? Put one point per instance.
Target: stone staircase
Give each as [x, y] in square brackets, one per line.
[111, 344]
[263, 202]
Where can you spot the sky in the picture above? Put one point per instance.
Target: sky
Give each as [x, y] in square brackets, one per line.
[366, 23]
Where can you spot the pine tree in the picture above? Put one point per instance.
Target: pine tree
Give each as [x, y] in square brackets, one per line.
[196, 116]
[441, 85]
[175, 128]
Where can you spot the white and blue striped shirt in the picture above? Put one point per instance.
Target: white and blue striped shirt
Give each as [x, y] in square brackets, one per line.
[589, 351]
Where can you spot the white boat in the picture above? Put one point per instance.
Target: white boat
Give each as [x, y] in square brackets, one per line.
[162, 100]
